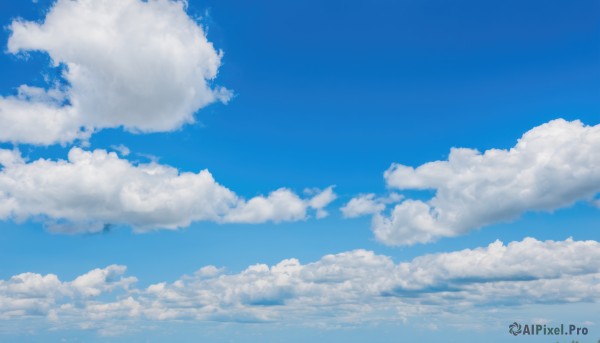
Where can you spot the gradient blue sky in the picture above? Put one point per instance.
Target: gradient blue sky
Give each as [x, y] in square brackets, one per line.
[332, 93]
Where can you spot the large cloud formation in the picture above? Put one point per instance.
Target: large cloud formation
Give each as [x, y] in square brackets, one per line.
[93, 189]
[552, 166]
[143, 65]
[347, 287]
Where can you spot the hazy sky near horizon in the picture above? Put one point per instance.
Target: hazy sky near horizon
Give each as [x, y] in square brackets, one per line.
[275, 171]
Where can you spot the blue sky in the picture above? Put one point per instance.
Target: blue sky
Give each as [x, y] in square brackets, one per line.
[316, 94]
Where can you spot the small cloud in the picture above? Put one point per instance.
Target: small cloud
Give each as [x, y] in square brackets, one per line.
[121, 149]
[321, 199]
[366, 204]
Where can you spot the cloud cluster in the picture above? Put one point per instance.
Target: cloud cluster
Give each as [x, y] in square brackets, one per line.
[31, 294]
[145, 66]
[93, 189]
[552, 166]
[142, 65]
[351, 286]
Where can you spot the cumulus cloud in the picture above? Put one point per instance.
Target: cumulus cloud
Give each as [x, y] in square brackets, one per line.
[37, 116]
[280, 205]
[142, 65]
[552, 166]
[31, 294]
[347, 287]
[93, 189]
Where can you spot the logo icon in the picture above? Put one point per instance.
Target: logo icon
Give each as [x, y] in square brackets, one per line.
[514, 328]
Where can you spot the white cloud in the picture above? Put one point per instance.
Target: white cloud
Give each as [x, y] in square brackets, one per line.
[143, 65]
[121, 149]
[321, 199]
[37, 117]
[31, 294]
[95, 188]
[349, 287]
[552, 166]
[99, 281]
[280, 205]
[365, 204]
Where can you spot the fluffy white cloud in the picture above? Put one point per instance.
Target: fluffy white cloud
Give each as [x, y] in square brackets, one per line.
[93, 189]
[31, 294]
[280, 205]
[99, 281]
[36, 116]
[352, 286]
[143, 65]
[552, 166]
[368, 204]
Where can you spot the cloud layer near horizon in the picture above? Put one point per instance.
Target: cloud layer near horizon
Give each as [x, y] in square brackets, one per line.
[353, 286]
[143, 65]
[552, 166]
[93, 189]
